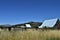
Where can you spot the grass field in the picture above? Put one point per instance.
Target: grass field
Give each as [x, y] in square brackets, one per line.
[30, 35]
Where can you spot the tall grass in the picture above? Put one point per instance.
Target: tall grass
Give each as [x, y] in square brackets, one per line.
[30, 35]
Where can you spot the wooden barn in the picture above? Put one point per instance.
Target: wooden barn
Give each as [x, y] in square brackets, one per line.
[52, 23]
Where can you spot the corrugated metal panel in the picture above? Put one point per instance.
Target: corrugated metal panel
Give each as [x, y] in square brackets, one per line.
[49, 23]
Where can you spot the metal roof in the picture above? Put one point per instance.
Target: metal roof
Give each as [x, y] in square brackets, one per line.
[49, 23]
[28, 25]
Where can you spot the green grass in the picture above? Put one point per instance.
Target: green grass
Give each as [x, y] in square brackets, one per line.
[30, 35]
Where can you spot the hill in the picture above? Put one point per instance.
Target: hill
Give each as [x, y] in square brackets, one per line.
[33, 24]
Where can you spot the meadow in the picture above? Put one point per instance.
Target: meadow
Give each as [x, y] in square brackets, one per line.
[30, 35]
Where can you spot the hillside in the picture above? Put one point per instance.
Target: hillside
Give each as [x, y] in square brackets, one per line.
[33, 24]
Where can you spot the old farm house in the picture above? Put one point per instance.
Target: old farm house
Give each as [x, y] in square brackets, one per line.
[52, 23]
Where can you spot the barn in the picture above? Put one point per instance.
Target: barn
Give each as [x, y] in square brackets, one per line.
[51, 23]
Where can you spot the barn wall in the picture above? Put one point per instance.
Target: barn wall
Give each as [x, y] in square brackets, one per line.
[57, 25]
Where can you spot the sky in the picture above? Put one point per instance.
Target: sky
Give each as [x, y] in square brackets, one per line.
[21, 11]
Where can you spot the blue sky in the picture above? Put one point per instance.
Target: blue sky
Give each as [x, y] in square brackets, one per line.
[21, 11]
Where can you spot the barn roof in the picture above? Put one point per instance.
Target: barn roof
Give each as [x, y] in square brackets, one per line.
[49, 23]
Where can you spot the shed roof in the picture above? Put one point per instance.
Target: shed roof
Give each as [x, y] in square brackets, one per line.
[28, 25]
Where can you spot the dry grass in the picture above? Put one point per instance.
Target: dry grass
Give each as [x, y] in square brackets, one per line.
[30, 35]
